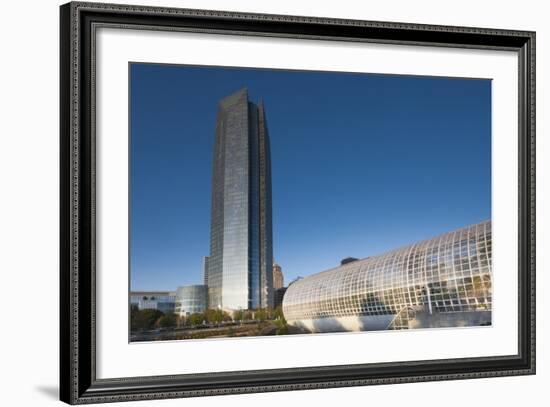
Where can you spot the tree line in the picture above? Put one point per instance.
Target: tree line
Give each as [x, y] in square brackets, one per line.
[148, 319]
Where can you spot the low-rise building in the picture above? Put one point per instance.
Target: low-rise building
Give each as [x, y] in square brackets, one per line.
[160, 300]
[191, 299]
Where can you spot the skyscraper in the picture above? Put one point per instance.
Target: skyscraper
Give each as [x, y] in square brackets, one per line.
[278, 279]
[241, 248]
[205, 270]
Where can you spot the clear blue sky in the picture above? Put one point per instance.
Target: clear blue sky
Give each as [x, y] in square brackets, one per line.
[361, 164]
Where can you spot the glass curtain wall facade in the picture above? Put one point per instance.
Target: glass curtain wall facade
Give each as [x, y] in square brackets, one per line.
[191, 299]
[446, 279]
[241, 250]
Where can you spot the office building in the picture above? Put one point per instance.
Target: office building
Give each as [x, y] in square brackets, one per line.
[278, 278]
[191, 299]
[160, 300]
[278, 296]
[205, 270]
[241, 260]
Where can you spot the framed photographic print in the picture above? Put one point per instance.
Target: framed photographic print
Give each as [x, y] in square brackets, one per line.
[257, 203]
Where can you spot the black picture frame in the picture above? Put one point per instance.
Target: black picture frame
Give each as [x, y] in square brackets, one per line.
[78, 382]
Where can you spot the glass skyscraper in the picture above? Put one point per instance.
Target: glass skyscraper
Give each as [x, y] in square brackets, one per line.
[239, 268]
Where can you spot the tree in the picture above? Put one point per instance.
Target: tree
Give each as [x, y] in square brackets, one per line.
[278, 313]
[282, 327]
[195, 319]
[260, 314]
[167, 321]
[215, 316]
[238, 316]
[134, 310]
[145, 319]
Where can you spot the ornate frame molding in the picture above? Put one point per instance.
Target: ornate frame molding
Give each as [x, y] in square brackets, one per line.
[78, 381]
